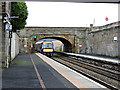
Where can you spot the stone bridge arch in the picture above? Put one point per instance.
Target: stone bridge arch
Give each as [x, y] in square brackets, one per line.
[66, 39]
[70, 36]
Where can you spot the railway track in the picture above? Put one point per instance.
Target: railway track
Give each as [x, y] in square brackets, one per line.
[96, 70]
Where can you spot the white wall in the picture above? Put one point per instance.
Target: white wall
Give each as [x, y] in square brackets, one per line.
[14, 45]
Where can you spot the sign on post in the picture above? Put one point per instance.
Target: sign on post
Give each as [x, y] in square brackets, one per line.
[80, 46]
[115, 38]
[8, 27]
[25, 46]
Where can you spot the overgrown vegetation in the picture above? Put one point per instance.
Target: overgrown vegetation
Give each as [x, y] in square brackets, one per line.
[19, 9]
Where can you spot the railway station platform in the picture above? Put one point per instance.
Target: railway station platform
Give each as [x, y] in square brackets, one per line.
[38, 71]
[96, 57]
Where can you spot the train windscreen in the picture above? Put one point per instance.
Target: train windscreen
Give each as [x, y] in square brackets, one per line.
[47, 45]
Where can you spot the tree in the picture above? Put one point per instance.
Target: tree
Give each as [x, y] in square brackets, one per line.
[19, 9]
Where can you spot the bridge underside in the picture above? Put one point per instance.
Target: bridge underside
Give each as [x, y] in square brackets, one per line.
[67, 44]
[65, 39]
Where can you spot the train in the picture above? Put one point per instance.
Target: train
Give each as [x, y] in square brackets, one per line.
[46, 47]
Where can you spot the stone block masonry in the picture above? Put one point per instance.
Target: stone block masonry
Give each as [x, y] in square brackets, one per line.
[102, 41]
[2, 33]
[71, 37]
[4, 36]
[94, 40]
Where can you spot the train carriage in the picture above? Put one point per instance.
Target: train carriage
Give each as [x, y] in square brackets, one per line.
[46, 48]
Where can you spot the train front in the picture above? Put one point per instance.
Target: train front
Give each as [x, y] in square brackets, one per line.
[48, 48]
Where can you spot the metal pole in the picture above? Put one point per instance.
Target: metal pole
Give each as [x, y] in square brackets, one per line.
[74, 45]
[10, 36]
[86, 48]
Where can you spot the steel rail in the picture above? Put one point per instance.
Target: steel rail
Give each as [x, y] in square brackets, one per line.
[99, 70]
[114, 66]
[94, 68]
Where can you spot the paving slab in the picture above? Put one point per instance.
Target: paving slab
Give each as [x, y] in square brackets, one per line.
[22, 75]
[77, 79]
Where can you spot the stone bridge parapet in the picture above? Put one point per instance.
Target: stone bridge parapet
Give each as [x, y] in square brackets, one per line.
[71, 35]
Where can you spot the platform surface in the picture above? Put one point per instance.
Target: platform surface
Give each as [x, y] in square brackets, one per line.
[38, 71]
[103, 58]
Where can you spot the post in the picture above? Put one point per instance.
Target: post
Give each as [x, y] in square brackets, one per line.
[86, 48]
[10, 36]
[74, 45]
[31, 46]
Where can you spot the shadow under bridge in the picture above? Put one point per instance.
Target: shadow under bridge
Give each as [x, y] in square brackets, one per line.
[67, 44]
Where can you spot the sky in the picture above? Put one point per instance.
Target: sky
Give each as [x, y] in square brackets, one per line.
[68, 14]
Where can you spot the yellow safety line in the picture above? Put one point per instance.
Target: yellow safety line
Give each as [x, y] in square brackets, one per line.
[38, 75]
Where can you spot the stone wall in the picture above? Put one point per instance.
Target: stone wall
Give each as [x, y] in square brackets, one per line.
[0, 32]
[22, 42]
[101, 40]
[74, 35]
[1, 55]
[4, 36]
[28, 31]
[4, 7]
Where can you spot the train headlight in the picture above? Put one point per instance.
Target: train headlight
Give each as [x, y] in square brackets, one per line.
[43, 50]
[52, 50]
